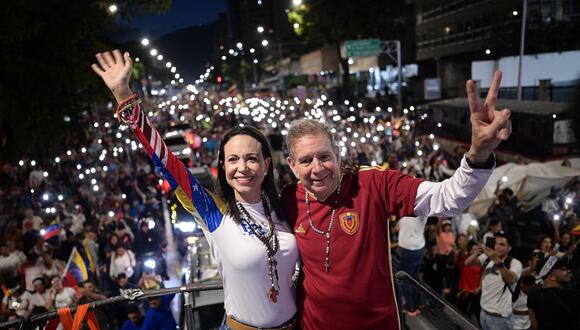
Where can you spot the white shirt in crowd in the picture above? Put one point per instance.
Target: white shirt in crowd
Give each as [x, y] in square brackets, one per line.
[65, 298]
[36, 223]
[32, 272]
[122, 264]
[494, 299]
[464, 221]
[521, 322]
[39, 300]
[411, 236]
[10, 264]
[22, 300]
[78, 220]
[54, 268]
[550, 206]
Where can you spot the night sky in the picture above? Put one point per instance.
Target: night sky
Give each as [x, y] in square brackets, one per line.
[183, 13]
[182, 34]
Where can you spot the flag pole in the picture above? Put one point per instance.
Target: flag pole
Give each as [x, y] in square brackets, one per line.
[68, 262]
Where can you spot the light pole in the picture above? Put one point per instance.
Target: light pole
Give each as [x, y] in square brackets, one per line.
[254, 62]
[522, 42]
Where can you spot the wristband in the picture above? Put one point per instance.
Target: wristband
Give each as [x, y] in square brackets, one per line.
[487, 165]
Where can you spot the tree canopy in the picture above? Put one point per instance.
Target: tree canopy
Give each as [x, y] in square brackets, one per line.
[46, 51]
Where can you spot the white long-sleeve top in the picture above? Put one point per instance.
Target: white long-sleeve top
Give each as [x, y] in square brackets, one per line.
[451, 196]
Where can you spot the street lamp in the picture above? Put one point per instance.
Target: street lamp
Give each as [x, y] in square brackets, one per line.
[264, 42]
[153, 52]
[296, 25]
[145, 42]
[296, 3]
[239, 45]
[159, 57]
[488, 51]
[260, 29]
[224, 58]
[168, 64]
[252, 50]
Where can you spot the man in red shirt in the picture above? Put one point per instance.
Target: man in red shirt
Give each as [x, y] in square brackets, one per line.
[340, 217]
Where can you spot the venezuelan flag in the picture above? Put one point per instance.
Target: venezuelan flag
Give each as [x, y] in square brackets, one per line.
[51, 231]
[89, 258]
[76, 270]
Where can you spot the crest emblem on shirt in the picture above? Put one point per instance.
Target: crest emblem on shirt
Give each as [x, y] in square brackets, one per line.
[300, 230]
[349, 222]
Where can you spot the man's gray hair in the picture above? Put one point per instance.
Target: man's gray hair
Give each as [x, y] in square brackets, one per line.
[303, 127]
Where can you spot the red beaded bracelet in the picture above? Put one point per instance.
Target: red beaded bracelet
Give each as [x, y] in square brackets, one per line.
[127, 100]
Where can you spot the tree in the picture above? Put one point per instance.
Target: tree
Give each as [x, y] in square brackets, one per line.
[323, 22]
[46, 51]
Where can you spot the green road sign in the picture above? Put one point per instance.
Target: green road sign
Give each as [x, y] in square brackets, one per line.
[362, 47]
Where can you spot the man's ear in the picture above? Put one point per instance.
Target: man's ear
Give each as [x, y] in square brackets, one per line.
[337, 153]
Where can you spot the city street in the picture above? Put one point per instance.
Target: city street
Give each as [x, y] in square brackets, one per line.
[309, 164]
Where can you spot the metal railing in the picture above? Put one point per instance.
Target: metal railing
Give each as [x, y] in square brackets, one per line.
[130, 295]
[436, 307]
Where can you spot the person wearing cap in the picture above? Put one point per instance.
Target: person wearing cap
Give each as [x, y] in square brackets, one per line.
[499, 279]
[551, 306]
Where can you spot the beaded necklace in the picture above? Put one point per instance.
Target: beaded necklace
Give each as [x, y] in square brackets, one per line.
[270, 241]
[320, 231]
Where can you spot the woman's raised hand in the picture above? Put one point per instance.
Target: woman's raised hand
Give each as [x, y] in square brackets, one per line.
[115, 70]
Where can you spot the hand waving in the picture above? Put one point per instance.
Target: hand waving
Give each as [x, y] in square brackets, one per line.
[115, 70]
[489, 126]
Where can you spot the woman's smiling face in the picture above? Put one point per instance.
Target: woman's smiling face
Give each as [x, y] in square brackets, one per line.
[245, 167]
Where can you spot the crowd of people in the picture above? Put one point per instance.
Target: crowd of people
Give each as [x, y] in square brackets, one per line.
[104, 197]
[473, 262]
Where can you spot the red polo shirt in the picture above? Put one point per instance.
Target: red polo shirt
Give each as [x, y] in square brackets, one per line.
[358, 290]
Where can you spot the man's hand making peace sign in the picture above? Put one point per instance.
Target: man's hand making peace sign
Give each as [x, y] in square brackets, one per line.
[489, 126]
